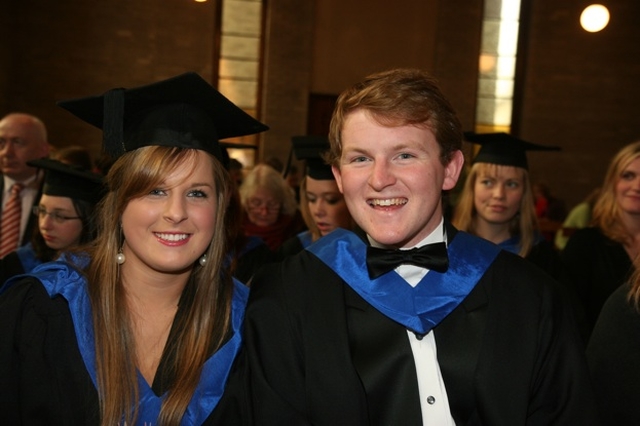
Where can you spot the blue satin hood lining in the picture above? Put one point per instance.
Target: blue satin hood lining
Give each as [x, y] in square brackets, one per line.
[61, 278]
[305, 238]
[513, 244]
[27, 256]
[418, 308]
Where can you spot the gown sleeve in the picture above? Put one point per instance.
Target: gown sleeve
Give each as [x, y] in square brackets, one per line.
[44, 380]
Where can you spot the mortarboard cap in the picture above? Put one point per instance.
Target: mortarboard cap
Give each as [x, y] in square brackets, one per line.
[183, 111]
[311, 148]
[504, 149]
[64, 180]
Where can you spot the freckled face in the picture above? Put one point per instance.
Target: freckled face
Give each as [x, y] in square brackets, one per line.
[498, 193]
[392, 179]
[168, 229]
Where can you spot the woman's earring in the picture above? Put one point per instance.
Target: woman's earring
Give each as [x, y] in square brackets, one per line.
[203, 260]
[120, 257]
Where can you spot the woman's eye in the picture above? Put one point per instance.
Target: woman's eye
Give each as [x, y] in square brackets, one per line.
[156, 191]
[333, 201]
[198, 193]
[628, 176]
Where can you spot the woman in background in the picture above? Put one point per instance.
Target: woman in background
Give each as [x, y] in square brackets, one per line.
[270, 209]
[497, 201]
[65, 217]
[321, 203]
[598, 259]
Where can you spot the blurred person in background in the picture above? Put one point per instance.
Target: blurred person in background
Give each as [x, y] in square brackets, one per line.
[270, 209]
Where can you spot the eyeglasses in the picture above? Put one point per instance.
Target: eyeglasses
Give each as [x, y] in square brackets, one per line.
[257, 204]
[41, 212]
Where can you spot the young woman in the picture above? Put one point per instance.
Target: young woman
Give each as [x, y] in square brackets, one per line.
[147, 332]
[497, 201]
[321, 203]
[599, 259]
[65, 217]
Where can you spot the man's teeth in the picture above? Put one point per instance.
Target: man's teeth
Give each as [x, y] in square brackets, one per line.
[389, 202]
[173, 237]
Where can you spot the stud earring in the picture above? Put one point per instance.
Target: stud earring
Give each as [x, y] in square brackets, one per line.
[120, 257]
[203, 260]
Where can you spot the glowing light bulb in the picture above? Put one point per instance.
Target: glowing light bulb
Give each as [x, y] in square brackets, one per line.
[594, 18]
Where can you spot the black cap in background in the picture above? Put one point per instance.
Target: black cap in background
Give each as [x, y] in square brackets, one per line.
[504, 149]
[64, 180]
[311, 149]
[184, 111]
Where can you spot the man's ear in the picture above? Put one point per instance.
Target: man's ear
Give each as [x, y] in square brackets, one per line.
[452, 170]
[338, 176]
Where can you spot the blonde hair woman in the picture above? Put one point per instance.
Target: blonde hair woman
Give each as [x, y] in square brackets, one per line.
[497, 201]
[148, 332]
[599, 259]
[270, 208]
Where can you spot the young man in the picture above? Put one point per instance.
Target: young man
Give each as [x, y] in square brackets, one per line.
[346, 334]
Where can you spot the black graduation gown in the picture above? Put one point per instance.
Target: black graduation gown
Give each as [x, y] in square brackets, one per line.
[613, 353]
[547, 258]
[250, 260]
[319, 354]
[594, 267]
[290, 247]
[10, 266]
[43, 377]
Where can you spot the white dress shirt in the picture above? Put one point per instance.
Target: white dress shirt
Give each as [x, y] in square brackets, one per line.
[432, 390]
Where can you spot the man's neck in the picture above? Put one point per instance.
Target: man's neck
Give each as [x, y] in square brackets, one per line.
[436, 236]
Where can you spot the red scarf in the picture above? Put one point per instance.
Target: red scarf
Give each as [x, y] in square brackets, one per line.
[274, 235]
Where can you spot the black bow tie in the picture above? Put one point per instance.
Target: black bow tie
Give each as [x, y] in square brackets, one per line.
[430, 256]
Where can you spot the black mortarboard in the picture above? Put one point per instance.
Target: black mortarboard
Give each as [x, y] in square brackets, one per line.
[504, 149]
[184, 111]
[64, 180]
[311, 148]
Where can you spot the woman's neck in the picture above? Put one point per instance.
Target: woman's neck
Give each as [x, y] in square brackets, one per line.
[152, 301]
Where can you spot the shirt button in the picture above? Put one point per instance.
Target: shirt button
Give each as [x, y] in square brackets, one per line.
[431, 400]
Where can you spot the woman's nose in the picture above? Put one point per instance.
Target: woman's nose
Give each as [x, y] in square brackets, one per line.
[175, 210]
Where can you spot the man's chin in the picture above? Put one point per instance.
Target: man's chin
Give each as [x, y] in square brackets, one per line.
[387, 240]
